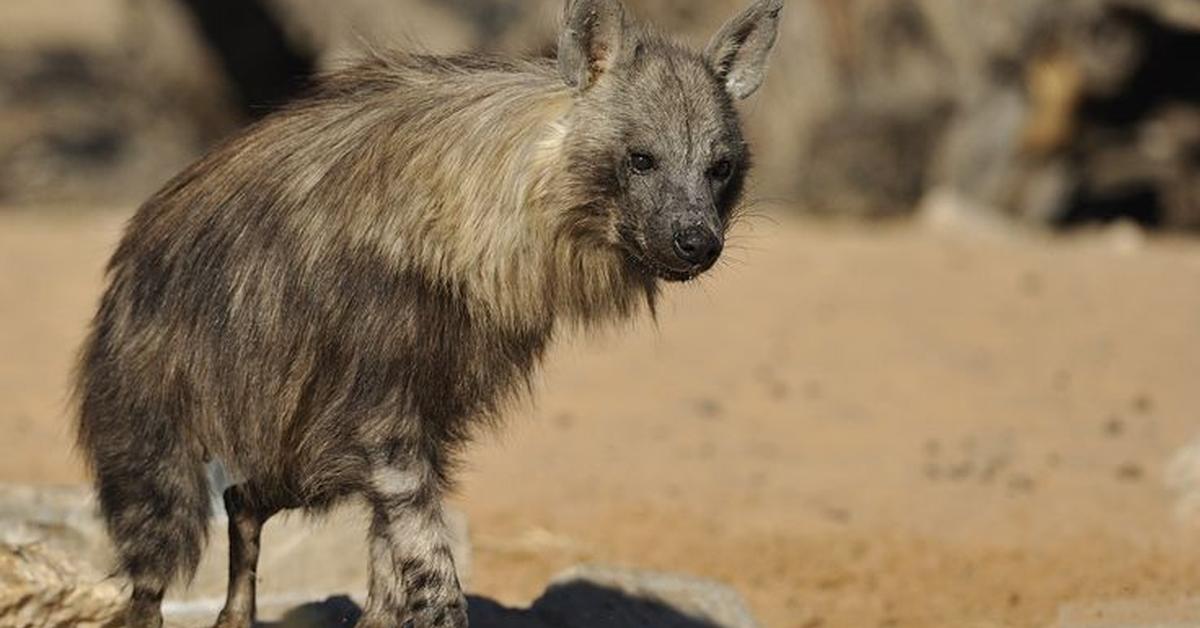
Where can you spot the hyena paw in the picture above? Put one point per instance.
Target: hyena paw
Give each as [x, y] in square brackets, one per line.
[229, 621]
[450, 613]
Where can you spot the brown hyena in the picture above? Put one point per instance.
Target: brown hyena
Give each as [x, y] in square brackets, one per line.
[328, 303]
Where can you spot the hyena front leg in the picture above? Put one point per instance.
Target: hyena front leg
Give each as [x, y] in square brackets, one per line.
[413, 580]
[385, 595]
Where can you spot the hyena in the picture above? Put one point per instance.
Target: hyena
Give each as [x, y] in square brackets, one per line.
[329, 303]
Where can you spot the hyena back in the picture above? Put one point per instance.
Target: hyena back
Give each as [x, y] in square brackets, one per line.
[329, 302]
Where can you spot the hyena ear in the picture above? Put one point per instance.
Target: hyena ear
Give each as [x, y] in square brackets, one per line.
[591, 42]
[738, 52]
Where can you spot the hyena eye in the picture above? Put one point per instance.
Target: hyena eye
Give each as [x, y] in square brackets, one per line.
[721, 170]
[642, 162]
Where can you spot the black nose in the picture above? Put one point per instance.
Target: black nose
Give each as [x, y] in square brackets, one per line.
[697, 245]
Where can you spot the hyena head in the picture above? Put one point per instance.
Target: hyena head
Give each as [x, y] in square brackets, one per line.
[654, 136]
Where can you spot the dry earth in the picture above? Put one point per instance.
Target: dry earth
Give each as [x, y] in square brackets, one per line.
[885, 427]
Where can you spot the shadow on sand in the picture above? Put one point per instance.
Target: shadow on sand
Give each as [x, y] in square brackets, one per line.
[571, 605]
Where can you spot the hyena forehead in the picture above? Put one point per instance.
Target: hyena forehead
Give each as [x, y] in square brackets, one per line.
[673, 104]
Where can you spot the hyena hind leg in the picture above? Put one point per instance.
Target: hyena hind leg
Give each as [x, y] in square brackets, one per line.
[246, 520]
[413, 580]
[145, 607]
[157, 515]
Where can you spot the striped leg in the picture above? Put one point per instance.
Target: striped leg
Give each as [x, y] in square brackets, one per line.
[413, 580]
[385, 596]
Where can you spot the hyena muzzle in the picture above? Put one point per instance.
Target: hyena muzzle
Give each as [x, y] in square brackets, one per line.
[330, 302]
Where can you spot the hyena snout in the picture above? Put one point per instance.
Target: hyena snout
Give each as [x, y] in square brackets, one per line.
[698, 246]
[680, 248]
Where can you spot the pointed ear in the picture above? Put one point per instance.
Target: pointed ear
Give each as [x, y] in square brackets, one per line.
[738, 53]
[591, 41]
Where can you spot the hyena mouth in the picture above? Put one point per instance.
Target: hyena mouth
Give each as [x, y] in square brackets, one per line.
[633, 250]
[653, 269]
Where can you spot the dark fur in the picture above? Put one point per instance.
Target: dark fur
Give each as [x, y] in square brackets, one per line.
[304, 305]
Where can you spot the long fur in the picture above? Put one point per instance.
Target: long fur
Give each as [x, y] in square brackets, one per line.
[410, 181]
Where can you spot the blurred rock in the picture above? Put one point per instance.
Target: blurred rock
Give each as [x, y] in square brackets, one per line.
[86, 24]
[945, 211]
[1183, 478]
[40, 588]
[59, 518]
[1071, 126]
[344, 31]
[871, 163]
[265, 66]
[107, 117]
[1125, 238]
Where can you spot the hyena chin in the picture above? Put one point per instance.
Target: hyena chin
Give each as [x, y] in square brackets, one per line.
[329, 302]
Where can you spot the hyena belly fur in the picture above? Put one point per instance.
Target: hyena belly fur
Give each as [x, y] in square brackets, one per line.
[331, 301]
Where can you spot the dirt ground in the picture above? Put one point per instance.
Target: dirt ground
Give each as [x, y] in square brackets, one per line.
[854, 427]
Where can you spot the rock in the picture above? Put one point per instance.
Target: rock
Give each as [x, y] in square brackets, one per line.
[943, 210]
[871, 162]
[1085, 116]
[1183, 478]
[40, 588]
[1125, 238]
[107, 109]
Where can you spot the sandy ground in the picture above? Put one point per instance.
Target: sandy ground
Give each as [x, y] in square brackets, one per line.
[885, 427]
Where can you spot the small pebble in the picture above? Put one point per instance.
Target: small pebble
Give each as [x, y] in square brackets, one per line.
[1130, 472]
[709, 408]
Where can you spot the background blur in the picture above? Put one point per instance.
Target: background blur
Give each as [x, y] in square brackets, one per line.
[957, 351]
